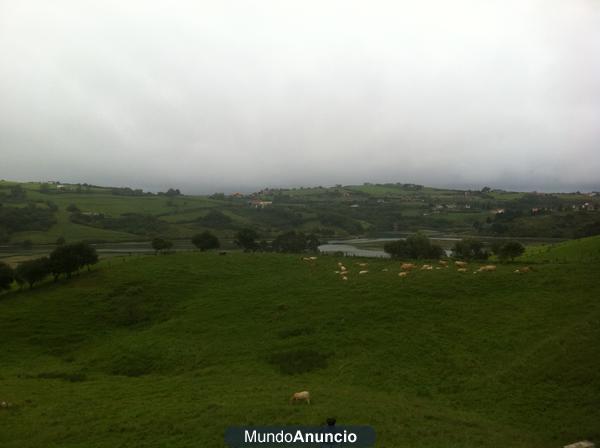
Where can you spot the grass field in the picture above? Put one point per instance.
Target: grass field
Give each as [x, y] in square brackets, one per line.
[170, 350]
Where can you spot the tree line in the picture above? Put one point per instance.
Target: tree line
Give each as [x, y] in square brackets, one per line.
[420, 247]
[63, 261]
[249, 241]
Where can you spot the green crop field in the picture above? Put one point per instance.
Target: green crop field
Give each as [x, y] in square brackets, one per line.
[167, 351]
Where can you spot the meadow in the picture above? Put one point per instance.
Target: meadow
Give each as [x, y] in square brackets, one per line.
[156, 351]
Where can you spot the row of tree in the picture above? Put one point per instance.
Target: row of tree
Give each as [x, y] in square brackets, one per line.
[63, 261]
[472, 249]
[420, 247]
[248, 240]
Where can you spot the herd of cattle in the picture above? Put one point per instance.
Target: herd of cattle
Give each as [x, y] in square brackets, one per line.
[405, 268]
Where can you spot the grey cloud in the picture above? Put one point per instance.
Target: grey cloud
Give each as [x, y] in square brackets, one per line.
[211, 96]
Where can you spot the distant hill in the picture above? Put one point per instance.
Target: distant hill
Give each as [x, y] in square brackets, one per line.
[43, 212]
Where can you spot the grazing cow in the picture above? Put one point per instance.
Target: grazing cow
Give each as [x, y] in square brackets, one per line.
[402, 274]
[344, 278]
[384, 270]
[443, 262]
[487, 268]
[407, 266]
[526, 269]
[343, 268]
[426, 267]
[582, 444]
[363, 272]
[301, 396]
[362, 265]
[312, 258]
[461, 264]
[461, 270]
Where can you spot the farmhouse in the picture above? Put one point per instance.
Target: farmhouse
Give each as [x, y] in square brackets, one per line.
[257, 203]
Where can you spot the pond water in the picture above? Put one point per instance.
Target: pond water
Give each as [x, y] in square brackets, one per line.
[352, 247]
[350, 250]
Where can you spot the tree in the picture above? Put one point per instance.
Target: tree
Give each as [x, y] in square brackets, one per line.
[69, 258]
[293, 242]
[246, 239]
[511, 250]
[161, 244]
[415, 246]
[7, 276]
[73, 208]
[173, 192]
[33, 271]
[60, 241]
[86, 254]
[469, 249]
[206, 241]
[64, 260]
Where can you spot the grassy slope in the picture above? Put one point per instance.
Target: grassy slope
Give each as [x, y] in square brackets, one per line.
[581, 250]
[175, 348]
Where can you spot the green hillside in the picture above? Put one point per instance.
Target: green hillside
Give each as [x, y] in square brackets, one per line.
[163, 351]
[579, 251]
[43, 212]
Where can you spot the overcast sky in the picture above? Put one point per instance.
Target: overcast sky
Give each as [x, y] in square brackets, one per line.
[237, 95]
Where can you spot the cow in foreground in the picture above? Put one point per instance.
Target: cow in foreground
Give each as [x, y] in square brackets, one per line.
[300, 396]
